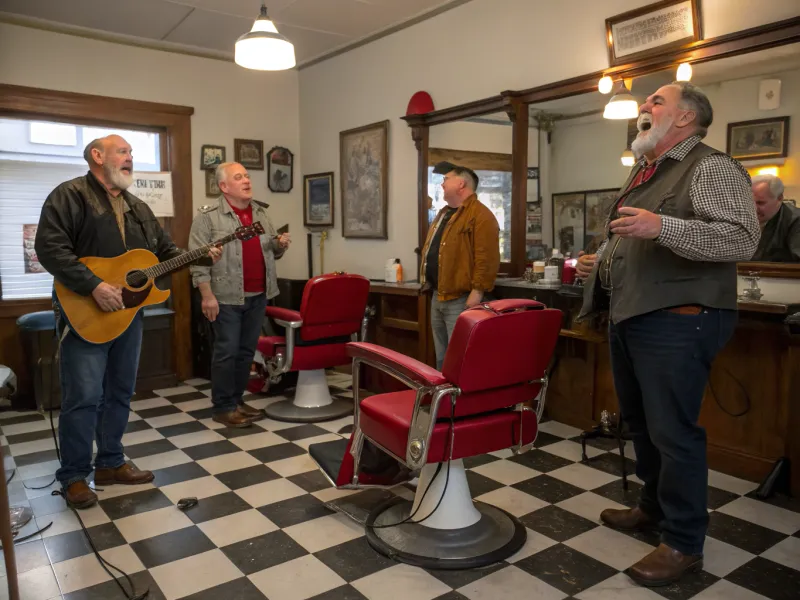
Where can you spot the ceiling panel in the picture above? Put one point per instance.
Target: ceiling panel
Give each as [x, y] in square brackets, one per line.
[310, 44]
[143, 18]
[239, 8]
[345, 17]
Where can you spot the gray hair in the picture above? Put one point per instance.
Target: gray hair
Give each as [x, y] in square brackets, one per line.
[221, 171]
[93, 145]
[774, 184]
[695, 99]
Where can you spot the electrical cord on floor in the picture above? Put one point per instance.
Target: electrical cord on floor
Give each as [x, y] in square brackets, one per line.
[10, 477]
[448, 453]
[30, 535]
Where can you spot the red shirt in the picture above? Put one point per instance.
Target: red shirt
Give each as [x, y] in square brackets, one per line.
[253, 268]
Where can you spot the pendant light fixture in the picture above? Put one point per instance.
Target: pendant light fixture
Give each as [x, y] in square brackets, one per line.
[622, 104]
[627, 158]
[684, 72]
[263, 48]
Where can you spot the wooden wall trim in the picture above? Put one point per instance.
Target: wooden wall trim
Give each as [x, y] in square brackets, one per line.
[174, 123]
[456, 113]
[489, 161]
[518, 112]
[769, 269]
[421, 137]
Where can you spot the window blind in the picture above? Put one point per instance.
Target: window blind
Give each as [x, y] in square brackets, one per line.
[24, 186]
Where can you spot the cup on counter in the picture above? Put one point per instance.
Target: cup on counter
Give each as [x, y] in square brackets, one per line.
[568, 272]
[538, 270]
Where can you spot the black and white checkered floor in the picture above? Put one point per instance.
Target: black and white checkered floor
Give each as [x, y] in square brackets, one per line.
[261, 529]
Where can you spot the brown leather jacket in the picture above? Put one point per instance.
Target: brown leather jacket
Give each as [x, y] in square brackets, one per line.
[469, 253]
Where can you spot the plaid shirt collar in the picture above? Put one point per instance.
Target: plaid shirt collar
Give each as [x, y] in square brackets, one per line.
[678, 152]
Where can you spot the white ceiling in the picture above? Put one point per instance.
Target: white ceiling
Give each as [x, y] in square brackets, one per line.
[317, 28]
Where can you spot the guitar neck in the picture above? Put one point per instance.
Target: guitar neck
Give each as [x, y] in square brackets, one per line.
[179, 262]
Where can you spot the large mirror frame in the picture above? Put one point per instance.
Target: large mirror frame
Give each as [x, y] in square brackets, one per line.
[515, 104]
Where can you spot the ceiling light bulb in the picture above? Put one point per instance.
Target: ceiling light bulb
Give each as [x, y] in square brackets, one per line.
[628, 159]
[605, 84]
[263, 48]
[684, 72]
[622, 105]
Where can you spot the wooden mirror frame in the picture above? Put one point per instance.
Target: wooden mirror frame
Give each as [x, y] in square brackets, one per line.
[515, 104]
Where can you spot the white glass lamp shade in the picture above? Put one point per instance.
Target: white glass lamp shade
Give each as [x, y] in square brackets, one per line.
[684, 72]
[628, 159]
[605, 84]
[263, 48]
[622, 106]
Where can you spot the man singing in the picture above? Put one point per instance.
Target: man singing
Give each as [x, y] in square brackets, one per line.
[667, 273]
[93, 215]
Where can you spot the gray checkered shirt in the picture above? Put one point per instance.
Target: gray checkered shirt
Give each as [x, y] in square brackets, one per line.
[725, 226]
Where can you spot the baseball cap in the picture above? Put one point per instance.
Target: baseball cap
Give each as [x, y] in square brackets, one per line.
[444, 167]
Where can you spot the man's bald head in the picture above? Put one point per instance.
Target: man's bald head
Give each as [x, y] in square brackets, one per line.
[110, 159]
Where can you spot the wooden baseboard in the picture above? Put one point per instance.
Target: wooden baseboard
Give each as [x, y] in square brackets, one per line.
[739, 464]
[156, 382]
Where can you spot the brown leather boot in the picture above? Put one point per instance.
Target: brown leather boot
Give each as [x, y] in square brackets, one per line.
[254, 413]
[630, 519]
[126, 475]
[664, 566]
[79, 495]
[235, 418]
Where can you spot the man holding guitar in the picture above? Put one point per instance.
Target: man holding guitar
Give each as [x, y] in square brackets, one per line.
[235, 291]
[94, 218]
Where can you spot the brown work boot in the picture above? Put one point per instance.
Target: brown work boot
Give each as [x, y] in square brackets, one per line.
[235, 418]
[126, 475]
[664, 566]
[79, 495]
[254, 413]
[629, 519]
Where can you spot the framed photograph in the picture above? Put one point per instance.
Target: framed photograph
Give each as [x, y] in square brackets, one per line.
[249, 153]
[364, 177]
[318, 200]
[280, 170]
[597, 208]
[212, 189]
[759, 139]
[211, 156]
[652, 29]
[568, 221]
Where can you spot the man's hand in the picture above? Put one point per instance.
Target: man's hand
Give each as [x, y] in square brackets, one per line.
[583, 267]
[474, 298]
[215, 254]
[284, 240]
[108, 297]
[210, 306]
[636, 223]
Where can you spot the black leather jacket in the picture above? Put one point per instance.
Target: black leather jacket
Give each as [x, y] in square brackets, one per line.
[78, 220]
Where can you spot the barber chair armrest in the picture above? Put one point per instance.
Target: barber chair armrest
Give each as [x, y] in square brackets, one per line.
[284, 317]
[411, 371]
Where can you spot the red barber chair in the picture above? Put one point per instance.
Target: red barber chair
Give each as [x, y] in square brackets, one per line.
[316, 338]
[495, 366]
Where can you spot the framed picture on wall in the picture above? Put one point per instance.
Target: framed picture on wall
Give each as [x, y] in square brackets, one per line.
[364, 181]
[249, 153]
[652, 29]
[759, 139]
[211, 156]
[598, 206]
[280, 170]
[212, 189]
[318, 200]
[568, 222]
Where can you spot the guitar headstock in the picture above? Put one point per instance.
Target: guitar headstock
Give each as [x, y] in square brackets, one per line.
[245, 233]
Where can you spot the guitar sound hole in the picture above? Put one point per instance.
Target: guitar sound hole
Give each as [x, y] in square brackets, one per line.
[136, 279]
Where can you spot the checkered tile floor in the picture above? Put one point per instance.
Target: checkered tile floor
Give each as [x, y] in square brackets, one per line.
[261, 529]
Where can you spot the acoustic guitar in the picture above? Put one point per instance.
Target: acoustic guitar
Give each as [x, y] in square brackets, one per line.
[134, 272]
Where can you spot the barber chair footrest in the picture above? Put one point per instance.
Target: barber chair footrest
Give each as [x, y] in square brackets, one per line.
[286, 410]
[495, 537]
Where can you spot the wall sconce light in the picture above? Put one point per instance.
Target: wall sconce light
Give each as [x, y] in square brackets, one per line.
[768, 171]
[628, 159]
[684, 72]
[622, 105]
[605, 84]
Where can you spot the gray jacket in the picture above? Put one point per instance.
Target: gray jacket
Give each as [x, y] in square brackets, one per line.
[226, 277]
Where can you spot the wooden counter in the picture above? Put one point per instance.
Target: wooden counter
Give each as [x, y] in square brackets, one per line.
[751, 410]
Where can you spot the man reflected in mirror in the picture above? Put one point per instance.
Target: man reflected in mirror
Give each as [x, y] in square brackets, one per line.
[780, 222]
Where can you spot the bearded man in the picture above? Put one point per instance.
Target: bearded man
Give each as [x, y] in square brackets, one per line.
[666, 273]
[93, 215]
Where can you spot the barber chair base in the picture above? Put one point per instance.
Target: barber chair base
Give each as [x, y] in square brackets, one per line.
[312, 402]
[495, 537]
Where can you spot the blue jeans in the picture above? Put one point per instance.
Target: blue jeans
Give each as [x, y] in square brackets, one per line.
[97, 383]
[661, 362]
[443, 320]
[236, 331]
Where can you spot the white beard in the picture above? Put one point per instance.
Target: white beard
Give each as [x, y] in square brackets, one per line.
[647, 140]
[118, 178]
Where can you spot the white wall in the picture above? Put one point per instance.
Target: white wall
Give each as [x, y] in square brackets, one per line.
[468, 53]
[475, 137]
[229, 102]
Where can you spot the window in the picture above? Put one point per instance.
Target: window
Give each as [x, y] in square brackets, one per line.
[34, 160]
[494, 190]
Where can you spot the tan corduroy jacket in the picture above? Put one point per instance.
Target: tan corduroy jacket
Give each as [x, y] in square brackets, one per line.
[469, 253]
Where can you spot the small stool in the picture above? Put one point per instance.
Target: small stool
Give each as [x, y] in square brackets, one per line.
[608, 430]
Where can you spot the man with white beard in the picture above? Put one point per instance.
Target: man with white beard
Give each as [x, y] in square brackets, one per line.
[94, 215]
[666, 273]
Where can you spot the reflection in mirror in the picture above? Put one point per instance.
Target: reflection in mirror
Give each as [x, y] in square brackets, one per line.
[482, 144]
[583, 158]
